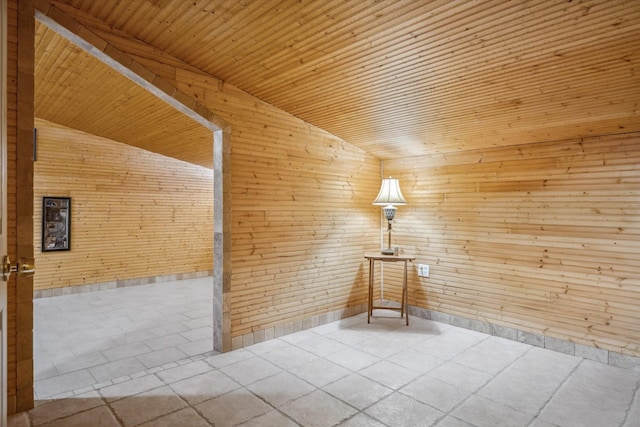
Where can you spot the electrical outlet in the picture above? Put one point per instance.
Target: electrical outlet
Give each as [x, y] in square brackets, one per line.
[423, 270]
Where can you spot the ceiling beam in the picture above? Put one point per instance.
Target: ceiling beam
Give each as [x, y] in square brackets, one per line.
[72, 30]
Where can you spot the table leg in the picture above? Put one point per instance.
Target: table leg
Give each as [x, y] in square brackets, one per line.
[405, 294]
[370, 299]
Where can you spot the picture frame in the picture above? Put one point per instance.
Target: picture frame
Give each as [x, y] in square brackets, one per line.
[56, 224]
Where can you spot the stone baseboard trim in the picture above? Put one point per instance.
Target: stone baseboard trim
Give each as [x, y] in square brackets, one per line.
[297, 326]
[555, 344]
[78, 289]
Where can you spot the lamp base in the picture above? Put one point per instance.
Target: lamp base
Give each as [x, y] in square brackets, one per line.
[388, 251]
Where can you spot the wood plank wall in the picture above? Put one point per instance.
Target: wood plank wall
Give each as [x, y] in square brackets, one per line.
[134, 213]
[541, 237]
[301, 200]
[302, 215]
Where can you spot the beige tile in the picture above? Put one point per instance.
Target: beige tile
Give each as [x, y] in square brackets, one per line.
[320, 372]
[204, 387]
[182, 372]
[281, 388]
[270, 419]
[389, 374]
[358, 391]
[595, 394]
[484, 412]
[60, 408]
[318, 409]
[130, 388]
[250, 370]
[435, 393]
[96, 417]
[64, 383]
[315, 377]
[184, 417]
[233, 408]
[147, 406]
[361, 420]
[402, 411]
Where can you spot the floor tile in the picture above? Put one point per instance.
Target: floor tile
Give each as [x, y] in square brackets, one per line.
[320, 372]
[447, 345]
[492, 355]
[96, 417]
[358, 391]
[64, 383]
[288, 358]
[233, 408]
[184, 417]
[199, 322]
[21, 419]
[62, 408]
[298, 337]
[43, 369]
[116, 369]
[444, 375]
[280, 389]
[204, 386]
[130, 388]
[595, 394]
[399, 410]
[526, 393]
[172, 375]
[147, 406]
[126, 351]
[321, 346]
[170, 328]
[196, 334]
[541, 423]
[318, 409]
[633, 415]
[166, 341]
[461, 376]
[132, 337]
[486, 413]
[450, 421]
[270, 419]
[389, 374]
[95, 345]
[160, 357]
[353, 359]
[381, 347]
[250, 370]
[267, 346]
[436, 393]
[361, 420]
[349, 336]
[230, 358]
[415, 361]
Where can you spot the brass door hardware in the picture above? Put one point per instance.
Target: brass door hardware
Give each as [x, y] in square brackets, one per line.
[25, 267]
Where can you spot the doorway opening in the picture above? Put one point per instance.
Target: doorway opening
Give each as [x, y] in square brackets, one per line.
[172, 337]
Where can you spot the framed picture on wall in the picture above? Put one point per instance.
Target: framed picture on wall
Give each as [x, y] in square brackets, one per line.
[56, 223]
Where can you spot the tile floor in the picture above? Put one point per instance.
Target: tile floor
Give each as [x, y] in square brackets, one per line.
[135, 356]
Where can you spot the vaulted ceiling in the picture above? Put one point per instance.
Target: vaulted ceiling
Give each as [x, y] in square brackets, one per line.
[397, 78]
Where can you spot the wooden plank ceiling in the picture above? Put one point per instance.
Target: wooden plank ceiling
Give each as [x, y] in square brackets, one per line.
[397, 78]
[75, 89]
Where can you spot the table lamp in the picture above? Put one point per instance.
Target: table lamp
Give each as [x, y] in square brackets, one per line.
[389, 197]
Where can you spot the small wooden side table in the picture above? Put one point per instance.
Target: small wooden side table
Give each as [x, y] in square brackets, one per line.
[404, 306]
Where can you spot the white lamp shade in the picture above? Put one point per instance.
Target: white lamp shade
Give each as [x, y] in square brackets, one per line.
[390, 193]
